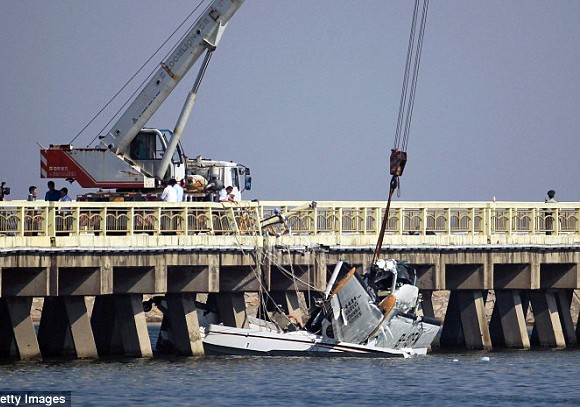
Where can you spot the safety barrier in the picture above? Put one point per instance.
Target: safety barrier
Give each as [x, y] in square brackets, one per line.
[23, 218]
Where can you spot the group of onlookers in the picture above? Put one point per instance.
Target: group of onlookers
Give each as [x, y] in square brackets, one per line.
[51, 195]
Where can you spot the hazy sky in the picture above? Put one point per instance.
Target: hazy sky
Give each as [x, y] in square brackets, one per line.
[306, 93]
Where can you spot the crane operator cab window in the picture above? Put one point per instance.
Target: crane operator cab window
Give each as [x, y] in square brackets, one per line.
[143, 146]
[150, 144]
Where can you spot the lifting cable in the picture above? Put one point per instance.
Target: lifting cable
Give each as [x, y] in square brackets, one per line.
[398, 157]
[133, 78]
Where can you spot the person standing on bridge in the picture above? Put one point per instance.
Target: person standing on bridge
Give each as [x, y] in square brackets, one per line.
[549, 215]
[32, 190]
[169, 194]
[179, 190]
[52, 194]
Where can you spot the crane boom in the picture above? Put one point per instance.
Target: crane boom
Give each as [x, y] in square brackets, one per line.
[205, 33]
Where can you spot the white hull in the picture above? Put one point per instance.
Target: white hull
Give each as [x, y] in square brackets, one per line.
[349, 322]
[219, 339]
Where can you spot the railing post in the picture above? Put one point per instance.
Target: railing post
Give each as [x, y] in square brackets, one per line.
[76, 227]
[315, 218]
[22, 222]
[233, 219]
[378, 212]
[424, 221]
[131, 221]
[471, 222]
[210, 220]
[364, 217]
[401, 223]
[448, 220]
[159, 221]
[51, 220]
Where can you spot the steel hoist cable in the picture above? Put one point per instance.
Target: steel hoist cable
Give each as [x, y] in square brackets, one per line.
[398, 158]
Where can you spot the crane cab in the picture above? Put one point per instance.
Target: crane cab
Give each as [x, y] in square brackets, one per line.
[148, 148]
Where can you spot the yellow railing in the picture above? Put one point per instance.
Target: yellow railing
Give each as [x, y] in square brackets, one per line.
[22, 218]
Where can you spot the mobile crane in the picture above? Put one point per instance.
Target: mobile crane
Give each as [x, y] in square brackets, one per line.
[135, 160]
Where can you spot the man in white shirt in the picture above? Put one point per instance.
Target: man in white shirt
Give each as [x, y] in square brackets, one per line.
[169, 193]
[226, 195]
[179, 190]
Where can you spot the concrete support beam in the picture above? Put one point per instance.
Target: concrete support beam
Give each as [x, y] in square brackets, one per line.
[452, 331]
[508, 321]
[293, 304]
[7, 345]
[321, 267]
[65, 328]
[427, 303]
[564, 303]
[547, 327]
[133, 326]
[180, 320]
[465, 322]
[231, 309]
[104, 325]
[54, 329]
[473, 319]
[296, 304]
[119, 326]
[79, 325]
[20, 327]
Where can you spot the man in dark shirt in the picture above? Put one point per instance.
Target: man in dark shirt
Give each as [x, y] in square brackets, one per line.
[52, 194]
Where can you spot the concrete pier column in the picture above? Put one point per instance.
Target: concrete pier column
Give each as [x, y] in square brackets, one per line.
[79, 326]
[292, 303]
[7, 345]
[65, 328]
[465, 321]
[508, 321]
[132, 325]
[547, 327]
[181, 320]
[119, 326]
[452, 332]
[104, 325]
[564, 302]
[21, 328]
[232, 309]
[427, 303]
[296, 304]
[53, 330]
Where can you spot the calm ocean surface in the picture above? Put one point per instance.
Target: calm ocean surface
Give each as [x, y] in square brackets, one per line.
[518, 378]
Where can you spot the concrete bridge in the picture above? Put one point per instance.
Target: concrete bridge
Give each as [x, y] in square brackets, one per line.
[496, 264]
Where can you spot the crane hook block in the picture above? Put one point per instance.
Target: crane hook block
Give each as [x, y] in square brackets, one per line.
[398, 161]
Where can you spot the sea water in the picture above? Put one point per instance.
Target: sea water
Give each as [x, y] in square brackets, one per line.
[509, 378]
